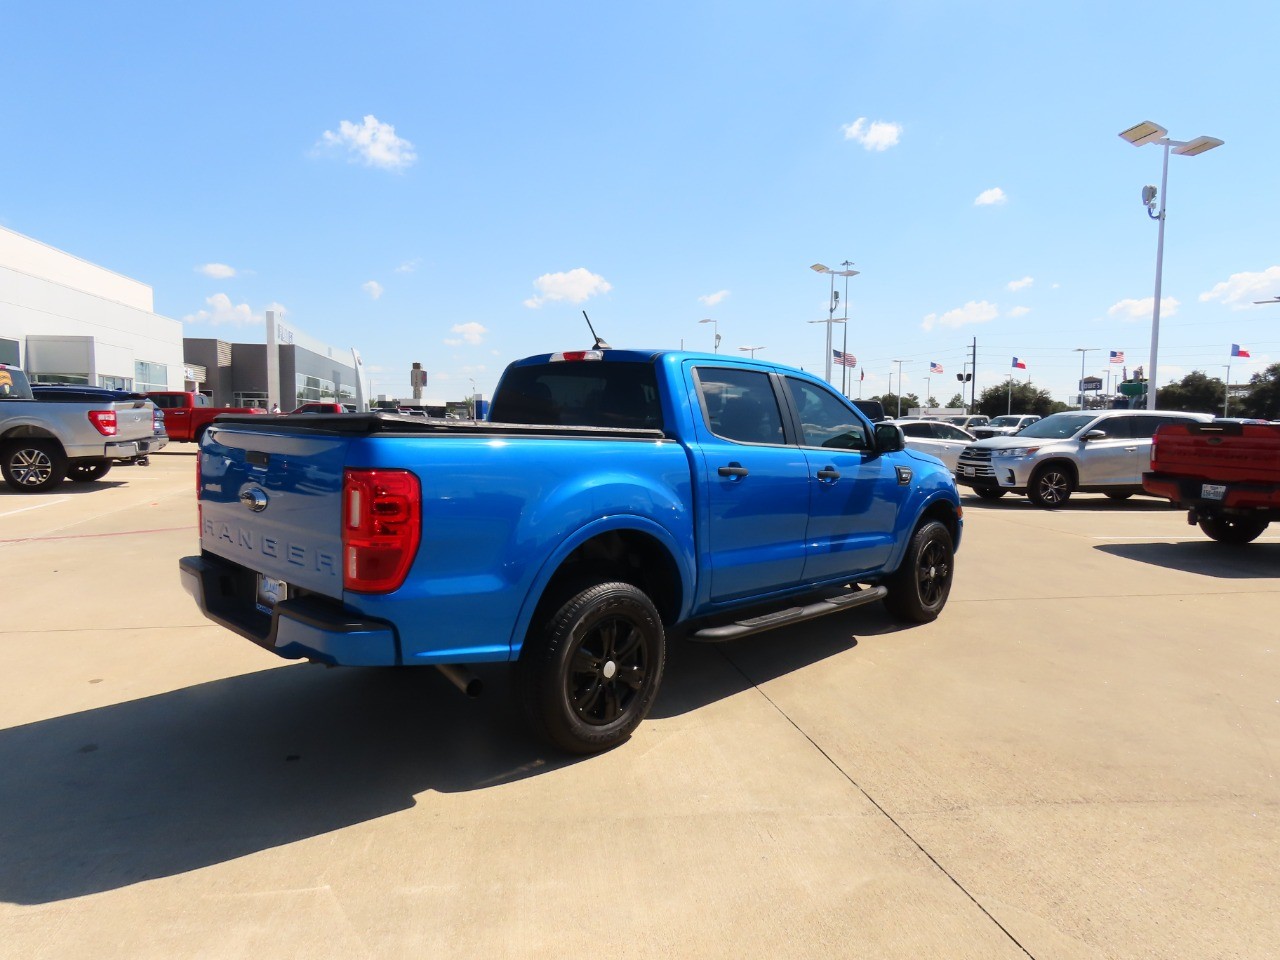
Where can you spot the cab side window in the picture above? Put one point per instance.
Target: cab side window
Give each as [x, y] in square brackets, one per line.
[825, 419]
[740, 405]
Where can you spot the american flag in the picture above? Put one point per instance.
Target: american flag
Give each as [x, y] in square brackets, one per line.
[1117, 356]
[844, 359]
[935, 367]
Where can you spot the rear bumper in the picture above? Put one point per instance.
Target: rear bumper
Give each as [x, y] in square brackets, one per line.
[300, 628]
[1188, 492]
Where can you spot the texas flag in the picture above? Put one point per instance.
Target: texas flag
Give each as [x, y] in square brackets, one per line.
[1018, 364]
[1237, 352]
[935, 368]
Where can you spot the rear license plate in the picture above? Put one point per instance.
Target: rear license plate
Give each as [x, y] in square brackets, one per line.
[966, 471]
[1212, 491]
[270, 592]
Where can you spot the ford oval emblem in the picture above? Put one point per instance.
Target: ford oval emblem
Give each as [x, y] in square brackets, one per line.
[254, 498]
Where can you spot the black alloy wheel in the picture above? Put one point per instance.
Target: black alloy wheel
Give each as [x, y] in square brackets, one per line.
[590, 675]
[1051, 486]
[919, 588]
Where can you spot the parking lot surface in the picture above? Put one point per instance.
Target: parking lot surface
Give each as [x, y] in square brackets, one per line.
[1079, 759]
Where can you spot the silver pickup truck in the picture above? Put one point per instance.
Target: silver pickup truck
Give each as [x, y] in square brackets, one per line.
[44, 441]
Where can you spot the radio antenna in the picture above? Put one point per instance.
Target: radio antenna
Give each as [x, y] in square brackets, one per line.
[600, 344]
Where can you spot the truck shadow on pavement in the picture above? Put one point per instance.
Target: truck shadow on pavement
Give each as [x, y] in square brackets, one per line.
[119, 794]
[1250, 561]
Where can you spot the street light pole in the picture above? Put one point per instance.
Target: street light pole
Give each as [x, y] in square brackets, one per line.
[1226, 392]
[1084, 352]
[715, 328]
[899, 363]
[1140, 135]
[752, 350]
[831, 303]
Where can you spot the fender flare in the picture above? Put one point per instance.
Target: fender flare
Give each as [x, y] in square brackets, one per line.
[681, 558]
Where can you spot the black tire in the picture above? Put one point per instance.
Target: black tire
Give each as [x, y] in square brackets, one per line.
[1051, 486]
[589, 675]
[919, 588]
[1233, 529]
[88, 472]
[30, 466]
[1120, 496]
[990, 493]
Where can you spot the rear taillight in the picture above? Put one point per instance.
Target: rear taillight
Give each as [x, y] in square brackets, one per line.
[104, 421]
[381, 524]
[1155, 444]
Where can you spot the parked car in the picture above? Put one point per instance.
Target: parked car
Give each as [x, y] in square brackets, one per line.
[1004, 426]
[1225, 474]
[75, 431]
[77, 393]
[1091, 451]
[315, 406]
[937, 439]
[187, 414]
[614, 496]
[967, 421]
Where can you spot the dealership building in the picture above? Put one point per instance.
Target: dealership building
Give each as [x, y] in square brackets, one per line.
[64, 320]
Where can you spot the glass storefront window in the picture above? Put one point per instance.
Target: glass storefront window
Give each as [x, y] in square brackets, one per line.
[68, 378]
[150, 376]
[115, 383]
[250, 398]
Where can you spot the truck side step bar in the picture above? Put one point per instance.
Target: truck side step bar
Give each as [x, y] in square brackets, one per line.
[779, 618]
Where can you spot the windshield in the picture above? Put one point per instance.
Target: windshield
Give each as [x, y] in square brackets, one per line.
[1004, 422]
[1058, 426]
[13, 384]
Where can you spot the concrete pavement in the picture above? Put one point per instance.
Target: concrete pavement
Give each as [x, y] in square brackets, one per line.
[1078, 759]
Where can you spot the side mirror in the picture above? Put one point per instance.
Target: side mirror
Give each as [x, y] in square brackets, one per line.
[889, 438]
[1095, 435]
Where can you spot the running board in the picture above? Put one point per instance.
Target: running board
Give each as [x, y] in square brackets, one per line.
[781, 618]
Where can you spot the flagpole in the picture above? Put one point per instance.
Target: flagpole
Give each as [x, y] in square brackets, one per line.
[1226, 393]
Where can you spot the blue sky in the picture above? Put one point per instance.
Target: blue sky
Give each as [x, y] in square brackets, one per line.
[454, 183]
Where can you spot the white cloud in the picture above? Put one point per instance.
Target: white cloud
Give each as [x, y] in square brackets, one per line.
[221, 311]
[575, 286]
[1131, 310]
[1241, 289]
[711, 299]
[472, 333]
[1020, 284]
[878, 136]
[1018, 312]
[988, 198]
[409, 266]
[972, 312]
[373, 288]
[371, 142]
[219, 271]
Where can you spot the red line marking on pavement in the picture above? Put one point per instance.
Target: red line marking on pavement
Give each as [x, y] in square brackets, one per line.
[91, 536]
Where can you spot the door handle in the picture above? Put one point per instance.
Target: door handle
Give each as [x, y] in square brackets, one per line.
[734, 469]
[828, 473]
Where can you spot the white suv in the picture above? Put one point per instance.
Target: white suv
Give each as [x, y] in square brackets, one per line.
[1094, 452]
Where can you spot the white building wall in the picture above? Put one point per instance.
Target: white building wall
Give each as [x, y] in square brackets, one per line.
[110, 316]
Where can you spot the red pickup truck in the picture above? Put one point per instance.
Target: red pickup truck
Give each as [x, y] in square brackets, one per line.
[187, 415]
[1225, 473]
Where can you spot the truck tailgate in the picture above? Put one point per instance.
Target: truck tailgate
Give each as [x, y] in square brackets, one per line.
[1221, 451]
[272, 502]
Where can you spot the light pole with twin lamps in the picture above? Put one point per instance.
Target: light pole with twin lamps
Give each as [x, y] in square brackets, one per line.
[834, 301]
[1140, 135]
[715, 327]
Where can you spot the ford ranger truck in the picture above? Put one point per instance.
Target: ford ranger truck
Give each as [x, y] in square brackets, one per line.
[612, 499]
[187, 414]
[1225, 474]
[43, 442]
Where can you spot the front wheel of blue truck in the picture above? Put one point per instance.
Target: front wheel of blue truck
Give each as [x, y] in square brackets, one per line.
[919, 588]
[589, 675]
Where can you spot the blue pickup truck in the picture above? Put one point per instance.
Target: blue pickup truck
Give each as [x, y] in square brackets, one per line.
[612, 499]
